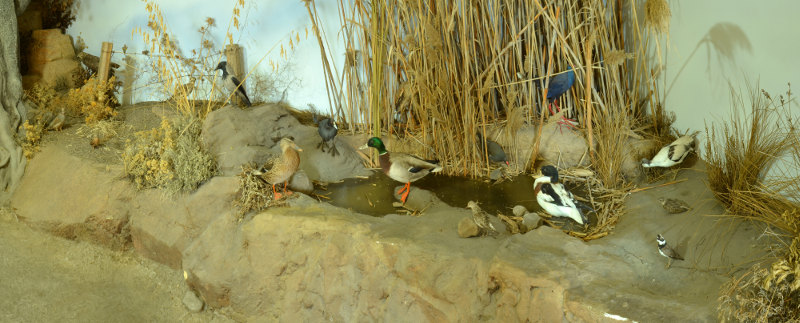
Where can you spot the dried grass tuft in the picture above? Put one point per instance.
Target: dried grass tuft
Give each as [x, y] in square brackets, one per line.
[657, 15]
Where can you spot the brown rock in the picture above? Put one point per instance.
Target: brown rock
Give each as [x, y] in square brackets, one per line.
[238, 136]
[67, 201]
[49, 45]
[162, 228]
[59, 73]
[566, 147]
[467, 228]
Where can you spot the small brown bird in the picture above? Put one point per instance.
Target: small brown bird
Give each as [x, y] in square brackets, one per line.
[481, 219]
[58, 122]
[674, 206]
[666, 250]
[284, 167]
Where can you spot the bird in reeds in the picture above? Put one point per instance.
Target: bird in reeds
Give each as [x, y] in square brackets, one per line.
[283, 169]
[401, 167]
[674, 206]
[232, 83]
[555, 199]
[667, 251]
[672, 154]
[558, 85]
[58, 122]
[481, 219]
[327, 131]
[496, 152]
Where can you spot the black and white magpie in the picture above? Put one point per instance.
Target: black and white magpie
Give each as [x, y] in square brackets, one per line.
[232, 83]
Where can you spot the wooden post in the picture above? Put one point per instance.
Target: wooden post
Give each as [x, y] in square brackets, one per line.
[127, 85]
[235, 56]
[105, 61]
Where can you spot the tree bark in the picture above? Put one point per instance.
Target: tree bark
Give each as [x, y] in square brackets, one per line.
[12, 162]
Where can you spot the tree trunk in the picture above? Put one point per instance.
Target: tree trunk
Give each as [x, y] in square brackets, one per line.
[12, 163]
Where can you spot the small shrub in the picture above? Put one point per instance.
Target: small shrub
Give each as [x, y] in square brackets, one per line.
[94, 100]
[169, 157]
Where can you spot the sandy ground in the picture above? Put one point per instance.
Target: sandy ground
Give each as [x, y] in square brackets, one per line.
[47, 279]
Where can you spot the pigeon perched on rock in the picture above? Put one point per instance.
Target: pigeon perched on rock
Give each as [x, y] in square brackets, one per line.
[327, 131]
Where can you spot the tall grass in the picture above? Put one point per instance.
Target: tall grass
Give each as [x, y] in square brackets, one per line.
[753, 163]
[742, 152]
[435, 72]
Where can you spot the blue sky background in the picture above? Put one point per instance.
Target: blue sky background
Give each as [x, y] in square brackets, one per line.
[264, 24]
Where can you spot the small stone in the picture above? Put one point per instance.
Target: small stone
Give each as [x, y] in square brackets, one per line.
[496, 174]
[467, 228]
[192, 302]
[301, 183]
[531, 221]
[520, 210]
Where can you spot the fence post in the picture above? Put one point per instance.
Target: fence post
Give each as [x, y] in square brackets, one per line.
[127, 85]
[235, 56]
[105, 61]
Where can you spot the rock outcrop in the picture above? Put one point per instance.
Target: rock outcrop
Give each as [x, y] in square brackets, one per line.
[52, 58]
[236, 137]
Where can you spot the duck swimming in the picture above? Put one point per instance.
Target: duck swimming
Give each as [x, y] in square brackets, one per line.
[402, 167]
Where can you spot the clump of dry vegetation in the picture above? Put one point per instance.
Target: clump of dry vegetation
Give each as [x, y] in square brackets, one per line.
[765, 294]
[741, 156]
[95, 100]
[170, 157]
[45, 100]
[254, 193]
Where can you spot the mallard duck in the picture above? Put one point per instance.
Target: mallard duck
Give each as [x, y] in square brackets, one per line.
[666, 250]
[496, 152]
[672, 154]
[554, 198]
[674, 206]
[402, 167]
[232, 83]
[284, 167]
[481, 219]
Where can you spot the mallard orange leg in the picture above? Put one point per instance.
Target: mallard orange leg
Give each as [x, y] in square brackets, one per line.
[286, 192]
[275, 194]
[405, 190]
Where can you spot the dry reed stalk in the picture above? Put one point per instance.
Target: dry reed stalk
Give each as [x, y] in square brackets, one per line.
[430, 81]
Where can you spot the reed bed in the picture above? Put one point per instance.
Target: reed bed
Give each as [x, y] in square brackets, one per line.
[436, 72]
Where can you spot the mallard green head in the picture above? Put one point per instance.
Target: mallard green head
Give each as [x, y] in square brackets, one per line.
[376, 143]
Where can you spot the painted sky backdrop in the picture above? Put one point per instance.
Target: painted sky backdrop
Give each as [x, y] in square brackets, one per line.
[264, 24]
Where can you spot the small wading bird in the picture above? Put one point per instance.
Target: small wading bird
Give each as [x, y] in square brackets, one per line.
[666, 250]
[401, 167]
[327, 131]
[674, 206]
[481, 219]
[672, 154]
[232, 83]
[283, 168]
[496, 152]
[554, 198]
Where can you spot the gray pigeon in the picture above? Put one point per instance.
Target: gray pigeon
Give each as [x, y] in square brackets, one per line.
[232, 83]
[327, 131]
